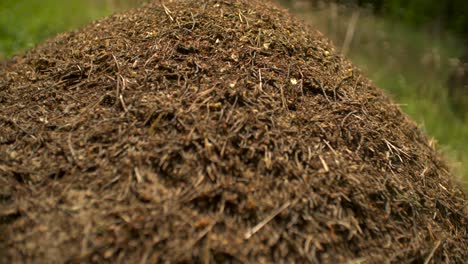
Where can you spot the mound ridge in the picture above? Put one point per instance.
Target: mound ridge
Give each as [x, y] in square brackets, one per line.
[213, 131]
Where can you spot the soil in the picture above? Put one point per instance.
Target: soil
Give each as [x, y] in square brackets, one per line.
[213, 132]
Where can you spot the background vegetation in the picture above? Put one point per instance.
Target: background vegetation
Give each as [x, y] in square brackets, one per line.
[410, 61]
[406, 47]
[24, 23]
[447, 15]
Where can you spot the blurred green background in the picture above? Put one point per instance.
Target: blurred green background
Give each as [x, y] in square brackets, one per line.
[409, 48]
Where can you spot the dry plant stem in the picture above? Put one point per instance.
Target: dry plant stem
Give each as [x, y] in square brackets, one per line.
[350, 32]
[265, 221]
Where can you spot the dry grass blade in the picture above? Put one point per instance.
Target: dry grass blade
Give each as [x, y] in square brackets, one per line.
[265, 221]
[168, 12]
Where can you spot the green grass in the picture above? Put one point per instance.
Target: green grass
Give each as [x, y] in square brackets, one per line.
[24, 23]
[410, 64]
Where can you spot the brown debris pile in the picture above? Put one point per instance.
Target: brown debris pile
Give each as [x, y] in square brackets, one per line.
[220, 131]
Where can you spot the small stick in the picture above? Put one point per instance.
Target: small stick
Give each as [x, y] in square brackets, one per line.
[260, 85]
[330, 147]
[260, 225]
[283, 99]
[85, 241]
[123, 103]
[168, 12]
[240, 17]
[428, 259]
[325, 166]
[324, 93]
[116, 63]
[72, 151]
[138, 176]
[120, 87]
[346, 117]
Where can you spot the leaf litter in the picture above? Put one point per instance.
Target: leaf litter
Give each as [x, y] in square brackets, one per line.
[213, 131]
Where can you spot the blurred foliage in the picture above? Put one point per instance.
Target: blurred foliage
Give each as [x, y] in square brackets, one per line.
[443, 15]
[448, 15]
[23, 23]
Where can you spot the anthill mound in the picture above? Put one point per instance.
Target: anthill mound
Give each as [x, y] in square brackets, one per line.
[221, 131]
